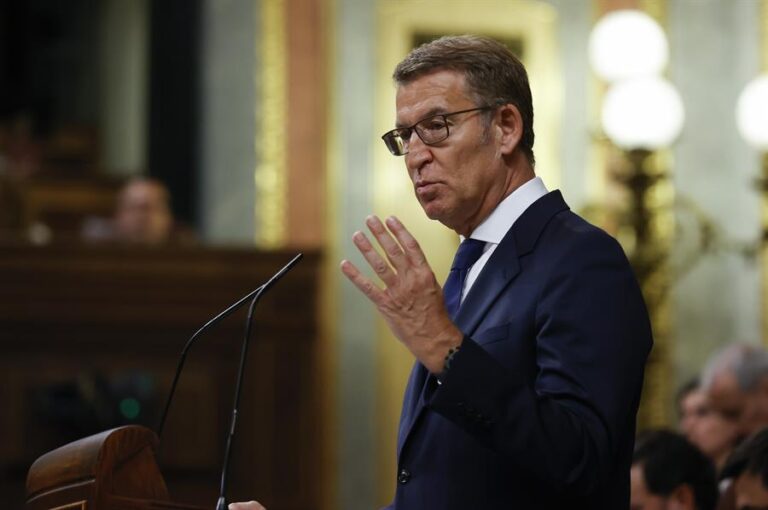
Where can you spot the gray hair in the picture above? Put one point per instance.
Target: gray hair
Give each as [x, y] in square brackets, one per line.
[748, 363]
[493, 74]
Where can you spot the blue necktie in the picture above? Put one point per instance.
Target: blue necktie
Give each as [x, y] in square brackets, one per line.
[468, 253]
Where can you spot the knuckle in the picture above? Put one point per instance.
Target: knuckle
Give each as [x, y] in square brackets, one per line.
[426, 278]
[393, 251]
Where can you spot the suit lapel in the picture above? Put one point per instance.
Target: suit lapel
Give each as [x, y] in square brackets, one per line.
[500, 269]
[498, 272]
[504, 264]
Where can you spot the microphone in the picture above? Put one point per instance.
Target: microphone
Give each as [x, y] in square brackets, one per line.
[221, 316]
[221, 504]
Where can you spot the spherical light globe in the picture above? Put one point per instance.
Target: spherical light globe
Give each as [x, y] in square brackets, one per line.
[752, 113]
[626, 44]
[643, 113]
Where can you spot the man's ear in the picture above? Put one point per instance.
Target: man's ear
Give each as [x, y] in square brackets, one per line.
[510, 128]
[682, 498]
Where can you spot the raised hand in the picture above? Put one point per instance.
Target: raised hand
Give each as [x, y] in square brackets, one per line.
[411, 301]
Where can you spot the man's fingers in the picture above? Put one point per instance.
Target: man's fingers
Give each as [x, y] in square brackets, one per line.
[250, 505]
[361, 282]
[407, 241]
[378, 264]
[391, 248]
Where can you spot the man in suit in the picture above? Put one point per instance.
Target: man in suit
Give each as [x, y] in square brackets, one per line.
[528, 376]
[529, 369]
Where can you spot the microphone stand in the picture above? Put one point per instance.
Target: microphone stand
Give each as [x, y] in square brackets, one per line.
[221, 504]
[226, 313]
[221, 316]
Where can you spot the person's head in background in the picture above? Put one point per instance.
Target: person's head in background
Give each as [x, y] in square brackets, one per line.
[748, 468]
[143, 212]
[714, 434]
[670, 473]
[736, 383]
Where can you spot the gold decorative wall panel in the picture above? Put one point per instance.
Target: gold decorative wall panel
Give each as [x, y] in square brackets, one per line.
[270, 140]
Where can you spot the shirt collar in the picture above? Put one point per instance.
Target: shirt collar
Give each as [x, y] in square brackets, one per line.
[495, 227]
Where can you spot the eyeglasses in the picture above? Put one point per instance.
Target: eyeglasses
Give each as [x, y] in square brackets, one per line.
[431, 130]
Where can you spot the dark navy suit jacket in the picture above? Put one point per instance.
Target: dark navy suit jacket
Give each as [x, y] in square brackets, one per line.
[537, 411]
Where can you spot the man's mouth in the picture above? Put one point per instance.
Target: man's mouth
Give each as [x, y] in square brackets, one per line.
[426, 189]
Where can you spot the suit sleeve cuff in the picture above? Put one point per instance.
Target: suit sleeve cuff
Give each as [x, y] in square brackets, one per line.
[472, 392]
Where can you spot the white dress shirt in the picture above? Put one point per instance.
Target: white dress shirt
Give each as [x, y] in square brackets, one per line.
[495, 226]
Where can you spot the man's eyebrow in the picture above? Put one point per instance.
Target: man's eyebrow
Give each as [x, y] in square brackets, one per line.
[435, 110]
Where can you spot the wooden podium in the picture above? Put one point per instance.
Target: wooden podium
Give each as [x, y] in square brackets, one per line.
[113, 470]
[72, 316]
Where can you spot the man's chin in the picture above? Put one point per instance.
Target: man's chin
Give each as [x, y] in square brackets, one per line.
[437, 214]
[431, 209]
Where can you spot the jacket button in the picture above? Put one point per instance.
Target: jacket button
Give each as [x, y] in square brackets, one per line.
[403, 476]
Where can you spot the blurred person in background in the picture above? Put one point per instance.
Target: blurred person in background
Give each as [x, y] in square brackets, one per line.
[715, 435]
[670, 473]
[748, 468]
[142, 216]
[735, 381]
[21, 149]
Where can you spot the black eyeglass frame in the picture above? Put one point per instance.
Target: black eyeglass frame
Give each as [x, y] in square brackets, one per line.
[390, 137]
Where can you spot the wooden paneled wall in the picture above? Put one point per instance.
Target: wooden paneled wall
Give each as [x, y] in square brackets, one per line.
[83, 328]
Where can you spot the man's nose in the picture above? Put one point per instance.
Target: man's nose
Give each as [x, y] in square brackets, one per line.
[418, 152]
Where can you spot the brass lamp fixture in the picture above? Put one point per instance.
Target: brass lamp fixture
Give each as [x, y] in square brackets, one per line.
[752, 122]
[642, 113]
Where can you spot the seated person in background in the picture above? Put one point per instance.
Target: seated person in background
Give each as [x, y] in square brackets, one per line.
[142, 216]
[15, 221]
[736, 383]
[748, 467]
[669, 473]
[143, 213]
[710, 432]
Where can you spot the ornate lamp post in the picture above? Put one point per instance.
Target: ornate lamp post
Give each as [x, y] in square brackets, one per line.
[642, 113]
[752, 122]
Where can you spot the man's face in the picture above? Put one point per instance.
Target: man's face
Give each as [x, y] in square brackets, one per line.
[751, 494]
[710, 431]
[460, 180]
[728, 399]
[143, 215]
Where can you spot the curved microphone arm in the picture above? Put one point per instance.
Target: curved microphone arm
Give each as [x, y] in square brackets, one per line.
[188, 345]
[221, 503]
[254, 294]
